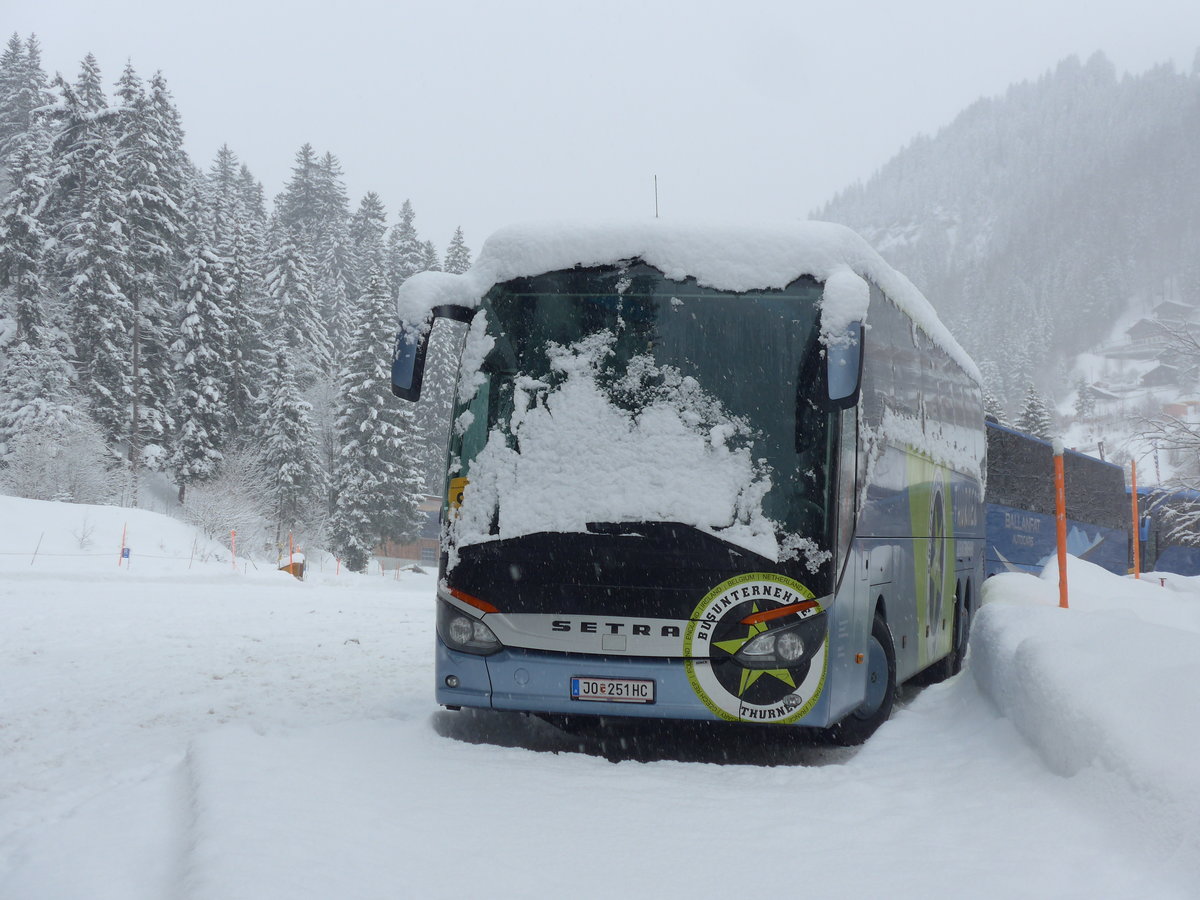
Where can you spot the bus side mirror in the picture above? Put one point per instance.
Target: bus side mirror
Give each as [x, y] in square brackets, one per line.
[844, 365]
[412, 343]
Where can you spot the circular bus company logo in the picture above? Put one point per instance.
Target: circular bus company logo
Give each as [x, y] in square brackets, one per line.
[719, 629]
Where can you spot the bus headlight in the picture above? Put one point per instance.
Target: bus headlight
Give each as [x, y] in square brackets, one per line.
[783, 648]
[464, 633]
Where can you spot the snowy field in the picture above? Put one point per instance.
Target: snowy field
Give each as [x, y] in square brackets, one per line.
[179, 730]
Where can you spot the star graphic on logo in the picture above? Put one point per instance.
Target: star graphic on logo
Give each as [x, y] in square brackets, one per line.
[749, 676]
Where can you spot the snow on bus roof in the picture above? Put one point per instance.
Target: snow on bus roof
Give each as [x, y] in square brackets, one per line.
[725, 257]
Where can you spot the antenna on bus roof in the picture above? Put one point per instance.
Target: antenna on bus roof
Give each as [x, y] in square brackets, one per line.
[656, 196]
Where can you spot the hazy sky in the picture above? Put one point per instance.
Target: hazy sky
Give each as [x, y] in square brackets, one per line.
[487, 113]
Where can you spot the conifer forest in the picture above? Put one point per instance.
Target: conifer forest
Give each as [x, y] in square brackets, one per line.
[163, 323]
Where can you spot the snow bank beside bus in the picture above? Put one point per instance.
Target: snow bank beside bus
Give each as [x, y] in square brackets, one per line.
[1106, 692]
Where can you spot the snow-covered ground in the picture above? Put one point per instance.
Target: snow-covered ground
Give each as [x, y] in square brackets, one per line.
[179, 730]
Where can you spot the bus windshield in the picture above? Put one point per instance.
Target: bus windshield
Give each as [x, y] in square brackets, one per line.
[616, 395]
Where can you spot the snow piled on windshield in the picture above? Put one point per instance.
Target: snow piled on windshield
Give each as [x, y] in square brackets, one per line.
[666, 450]
[725, 257]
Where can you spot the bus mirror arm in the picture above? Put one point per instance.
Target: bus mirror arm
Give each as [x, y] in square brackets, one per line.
[844, 359]
[412, 343]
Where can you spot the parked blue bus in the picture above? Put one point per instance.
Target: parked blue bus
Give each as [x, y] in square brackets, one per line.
[1021, 534]
[1163, 547]
[699, 474]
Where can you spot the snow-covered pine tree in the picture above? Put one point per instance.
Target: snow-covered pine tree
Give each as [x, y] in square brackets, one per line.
[222, 199]
[430, 263]
[246, 342]
[254, 198]
[23, 90]
[254, 235]
[156, 182]
[377, 483]
[168, 124]
[350, 526]
[294, 321]
[36, 393]
[289, 450]
[236, 242]
[23, 236]
[81, 130]
[56, 461]
[81, 120]
[200, 408]
[458, 255]
[12, 65]
[332, 253]
[405, 252]
[368, 226]
[994, 408]
[298, 208]
[334, 291]
[100, 314]
[332, 202]
[1035, 417]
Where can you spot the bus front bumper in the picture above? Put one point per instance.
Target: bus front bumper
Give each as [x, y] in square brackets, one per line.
[537, 681]
[540, 682]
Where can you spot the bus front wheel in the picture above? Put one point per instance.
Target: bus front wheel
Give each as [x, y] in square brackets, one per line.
[881, 690]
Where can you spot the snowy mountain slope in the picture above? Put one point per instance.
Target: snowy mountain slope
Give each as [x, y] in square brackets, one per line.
[1036, 218]
[201, 735]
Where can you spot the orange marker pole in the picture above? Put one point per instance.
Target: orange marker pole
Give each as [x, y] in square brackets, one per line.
[1137, 538]
[121, 555]
[233, 546]
[291, 551]
[1060, 520]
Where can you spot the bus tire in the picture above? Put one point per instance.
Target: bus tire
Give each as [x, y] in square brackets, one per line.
[881, 690]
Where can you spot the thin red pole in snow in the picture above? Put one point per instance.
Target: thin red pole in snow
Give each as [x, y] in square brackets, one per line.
[338, 570]
[291, 551]
[121, 555]
[1137, 537]
[1060, 521]
[233, 546]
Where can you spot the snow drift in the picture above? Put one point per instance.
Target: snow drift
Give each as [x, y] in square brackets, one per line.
[1106, 691]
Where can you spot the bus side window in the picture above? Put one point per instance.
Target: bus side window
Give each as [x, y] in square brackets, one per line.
[472, 422]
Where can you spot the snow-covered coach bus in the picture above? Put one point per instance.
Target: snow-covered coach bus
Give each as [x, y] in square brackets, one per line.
[697, 473]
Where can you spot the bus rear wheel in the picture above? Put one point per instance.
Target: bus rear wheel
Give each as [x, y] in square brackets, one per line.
[881, 690]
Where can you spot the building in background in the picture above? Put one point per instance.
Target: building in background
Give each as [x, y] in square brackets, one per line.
[424, 549]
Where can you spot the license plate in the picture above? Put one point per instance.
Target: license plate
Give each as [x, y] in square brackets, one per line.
[612, 690]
